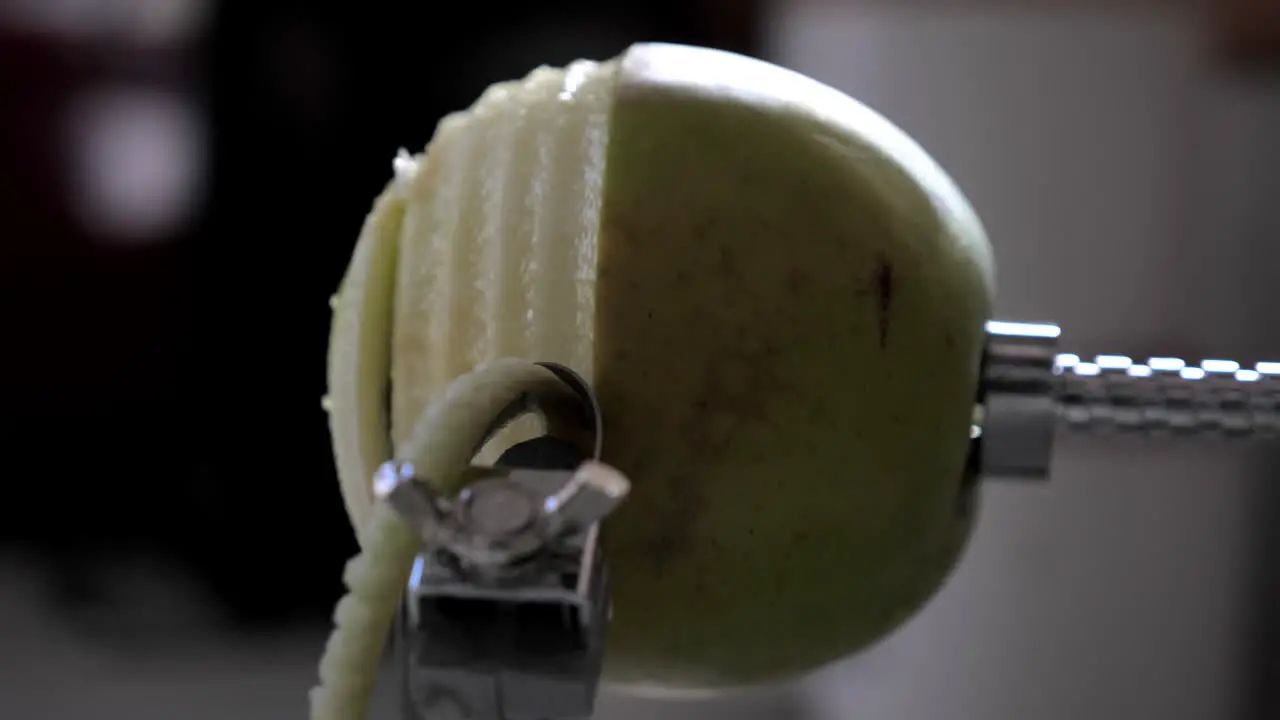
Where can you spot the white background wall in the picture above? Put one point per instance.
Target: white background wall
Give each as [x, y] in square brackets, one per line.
[1128, 190]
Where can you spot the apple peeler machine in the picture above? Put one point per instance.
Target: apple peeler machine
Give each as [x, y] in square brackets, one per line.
[507, 606]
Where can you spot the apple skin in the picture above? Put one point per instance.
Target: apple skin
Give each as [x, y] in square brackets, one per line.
[789, 325]
[780, 300]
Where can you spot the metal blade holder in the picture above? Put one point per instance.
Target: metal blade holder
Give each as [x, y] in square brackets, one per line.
[507, 605]
[1028, 388]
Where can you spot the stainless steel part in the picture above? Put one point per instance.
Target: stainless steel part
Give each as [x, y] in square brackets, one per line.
[503, 516]
[1028, 388]
[506, 608]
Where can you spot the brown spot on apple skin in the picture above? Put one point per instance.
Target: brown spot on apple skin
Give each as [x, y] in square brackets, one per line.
[797, 280]
[736, 384]
[725, 263]
[731, 389]
[884, 288]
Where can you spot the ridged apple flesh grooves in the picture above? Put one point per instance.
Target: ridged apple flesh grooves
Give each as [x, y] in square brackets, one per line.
[498, 249]
[359, 356]
[483, 247]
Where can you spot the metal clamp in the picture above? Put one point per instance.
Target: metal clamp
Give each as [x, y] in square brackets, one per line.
[505, 613]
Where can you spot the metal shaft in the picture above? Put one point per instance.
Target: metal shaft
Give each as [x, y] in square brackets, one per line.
[1112, 392]
[1029, 388]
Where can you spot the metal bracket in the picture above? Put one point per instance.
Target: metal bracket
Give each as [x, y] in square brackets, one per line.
[506, 609]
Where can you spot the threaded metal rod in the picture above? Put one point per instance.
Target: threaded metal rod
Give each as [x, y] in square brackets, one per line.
[1028, 389]
[1168, 395]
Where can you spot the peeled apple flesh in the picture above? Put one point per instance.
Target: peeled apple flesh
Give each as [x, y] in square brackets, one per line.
[779, 298]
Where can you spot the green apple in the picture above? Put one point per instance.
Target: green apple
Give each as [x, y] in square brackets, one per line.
[779, 298]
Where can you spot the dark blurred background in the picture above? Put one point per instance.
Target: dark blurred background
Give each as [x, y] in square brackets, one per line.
[181, 185]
